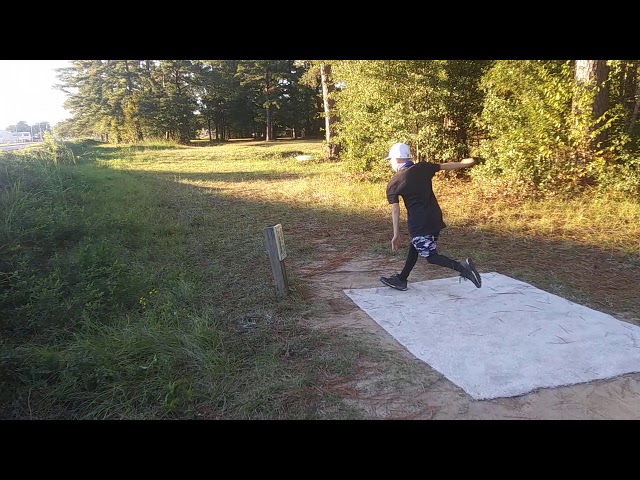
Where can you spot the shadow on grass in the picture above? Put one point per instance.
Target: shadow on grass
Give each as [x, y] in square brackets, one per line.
[587, 274]
[114, 152]
[233, 177]
[252, 142]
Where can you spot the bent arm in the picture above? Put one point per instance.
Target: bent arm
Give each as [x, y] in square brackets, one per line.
[465, 163]
[395, 218]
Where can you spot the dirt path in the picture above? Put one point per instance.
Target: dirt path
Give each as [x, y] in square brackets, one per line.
[431, 395]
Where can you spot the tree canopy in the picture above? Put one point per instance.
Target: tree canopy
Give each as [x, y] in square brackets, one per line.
[540, 125]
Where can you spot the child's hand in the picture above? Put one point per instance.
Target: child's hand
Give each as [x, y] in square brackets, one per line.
[395, 244]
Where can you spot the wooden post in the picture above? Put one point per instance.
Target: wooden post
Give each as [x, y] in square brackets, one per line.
[277, 254]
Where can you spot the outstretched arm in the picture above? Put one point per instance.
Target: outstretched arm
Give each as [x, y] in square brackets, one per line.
[465, 163]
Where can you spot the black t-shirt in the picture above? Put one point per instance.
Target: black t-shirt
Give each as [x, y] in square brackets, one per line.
[413, 184]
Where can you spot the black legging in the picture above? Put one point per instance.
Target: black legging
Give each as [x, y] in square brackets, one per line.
[435, 258]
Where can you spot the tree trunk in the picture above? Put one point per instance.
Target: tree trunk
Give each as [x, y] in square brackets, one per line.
[636, 108]
[631, 91]
[591, 76]
[329, 117]
[269, 129]
[267, 92]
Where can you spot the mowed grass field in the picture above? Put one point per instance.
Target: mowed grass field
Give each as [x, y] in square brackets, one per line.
[135, 284]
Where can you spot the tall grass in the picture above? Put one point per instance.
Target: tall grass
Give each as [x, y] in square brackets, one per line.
[135, 284]
[130, 292]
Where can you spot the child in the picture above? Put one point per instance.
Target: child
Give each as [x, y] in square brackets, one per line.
[412, 182]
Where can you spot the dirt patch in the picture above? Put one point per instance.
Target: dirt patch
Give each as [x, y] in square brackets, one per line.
[420, 392]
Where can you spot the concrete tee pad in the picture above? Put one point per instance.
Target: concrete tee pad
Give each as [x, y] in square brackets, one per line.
[505, 339]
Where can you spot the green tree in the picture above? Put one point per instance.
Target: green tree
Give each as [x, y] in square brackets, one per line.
[297, 103]
[265, 77]
[531, 136]
[177, 100]
[122, 100]
[22, 126]
[591, 103]
[221, 99]
[317, 121]
[83, 83]
[429, 104]
[624, 104]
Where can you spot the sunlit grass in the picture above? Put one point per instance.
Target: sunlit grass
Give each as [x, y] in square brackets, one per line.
[595, 221]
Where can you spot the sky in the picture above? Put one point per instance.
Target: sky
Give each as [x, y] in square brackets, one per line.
[27, 93]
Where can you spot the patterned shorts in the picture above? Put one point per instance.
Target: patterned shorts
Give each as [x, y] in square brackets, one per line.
[426, 245]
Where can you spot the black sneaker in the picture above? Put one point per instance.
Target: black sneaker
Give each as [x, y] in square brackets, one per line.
[471, 273]
[394, 281]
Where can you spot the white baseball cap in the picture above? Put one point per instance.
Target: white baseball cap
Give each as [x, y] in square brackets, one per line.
[399, 150]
